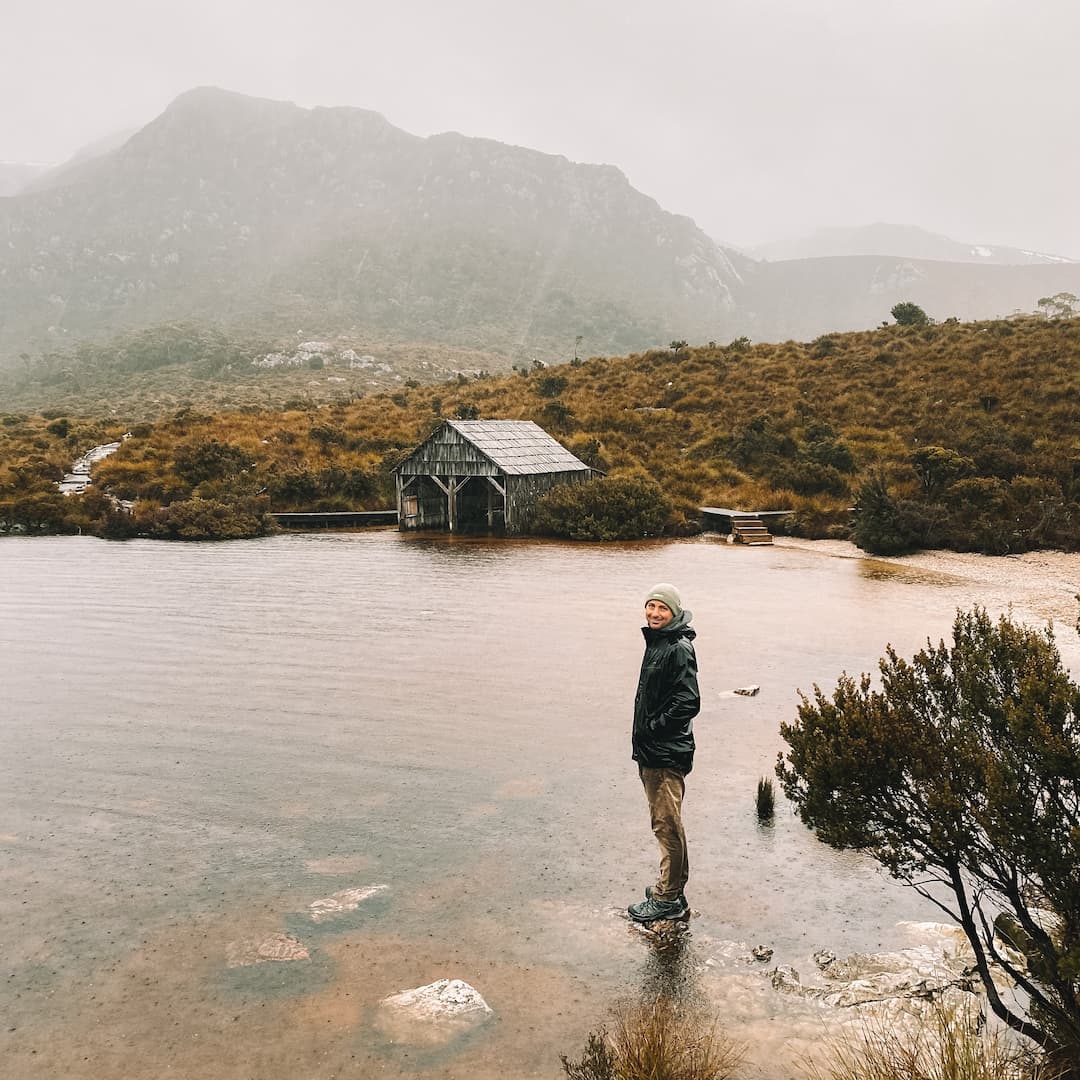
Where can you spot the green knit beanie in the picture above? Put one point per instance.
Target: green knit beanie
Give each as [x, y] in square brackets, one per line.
[666, 594]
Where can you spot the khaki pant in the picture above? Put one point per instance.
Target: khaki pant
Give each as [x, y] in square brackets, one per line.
[664, 789]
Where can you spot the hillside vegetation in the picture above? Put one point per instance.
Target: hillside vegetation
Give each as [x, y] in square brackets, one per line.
[957, 435]
[151, 373]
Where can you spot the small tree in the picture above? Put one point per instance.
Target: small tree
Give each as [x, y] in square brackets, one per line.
[909, 314]
[962, 777]
[1062, 305]
[938, 466]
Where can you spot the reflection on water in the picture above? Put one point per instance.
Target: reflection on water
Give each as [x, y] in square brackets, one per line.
[199, 742]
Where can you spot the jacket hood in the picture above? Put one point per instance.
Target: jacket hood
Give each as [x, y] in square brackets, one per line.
[678, 627]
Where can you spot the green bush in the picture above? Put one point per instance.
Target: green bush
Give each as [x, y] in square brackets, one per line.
[209, 459]
[887, 526]
[809, 478]
[611, 508]
[208, 519]
[958, 772]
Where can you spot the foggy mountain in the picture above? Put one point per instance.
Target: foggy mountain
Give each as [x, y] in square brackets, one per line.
[265, 218]
[904, 241]
[259, 214]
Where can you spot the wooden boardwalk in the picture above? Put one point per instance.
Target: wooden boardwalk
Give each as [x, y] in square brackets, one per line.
[336, 519]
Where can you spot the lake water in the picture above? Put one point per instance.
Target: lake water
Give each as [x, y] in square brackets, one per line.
[199, 741]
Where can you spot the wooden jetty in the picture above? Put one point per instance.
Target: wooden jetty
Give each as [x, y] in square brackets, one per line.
[336, 519]
[743, 526]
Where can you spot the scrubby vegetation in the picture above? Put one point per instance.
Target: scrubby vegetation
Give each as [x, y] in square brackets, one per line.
[949, 1044]
[961, 776]
[958, 435]
[659, 1039]
[621, 508]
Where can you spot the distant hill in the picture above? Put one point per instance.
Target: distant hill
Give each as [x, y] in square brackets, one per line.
[260, 215]
[903, 241]
[802, 298]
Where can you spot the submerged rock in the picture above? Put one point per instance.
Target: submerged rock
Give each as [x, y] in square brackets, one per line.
[762, 953]
[342, 902]
[786, 979]
[432, 1015]
[276, 947]
[907, 982]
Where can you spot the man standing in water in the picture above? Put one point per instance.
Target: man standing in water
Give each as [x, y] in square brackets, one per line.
[664, 709]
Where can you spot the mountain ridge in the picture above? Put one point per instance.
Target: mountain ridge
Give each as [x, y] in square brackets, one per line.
[901, 241]
[245, 208]
[261, 217]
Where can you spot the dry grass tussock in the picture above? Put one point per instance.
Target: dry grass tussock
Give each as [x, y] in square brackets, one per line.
[947, 1045]
[658, 1040]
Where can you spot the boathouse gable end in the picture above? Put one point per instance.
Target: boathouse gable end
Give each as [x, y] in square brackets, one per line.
[472, 474]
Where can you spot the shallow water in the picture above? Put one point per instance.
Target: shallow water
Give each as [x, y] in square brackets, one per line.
[198, 742]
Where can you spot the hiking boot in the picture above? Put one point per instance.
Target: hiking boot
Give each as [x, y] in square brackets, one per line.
[682, 897]
[652, 910]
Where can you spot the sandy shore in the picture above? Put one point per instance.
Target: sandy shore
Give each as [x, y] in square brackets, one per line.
[1039, 586]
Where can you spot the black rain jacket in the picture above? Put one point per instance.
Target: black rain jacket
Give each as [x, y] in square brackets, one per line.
[667, 697]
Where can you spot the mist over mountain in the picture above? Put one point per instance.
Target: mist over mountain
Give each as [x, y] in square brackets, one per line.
[904, 241]
[270, 220]
[260, 214]
[16, 175]
[57, 175]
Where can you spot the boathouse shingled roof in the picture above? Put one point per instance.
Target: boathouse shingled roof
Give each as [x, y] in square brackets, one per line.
[517, 447]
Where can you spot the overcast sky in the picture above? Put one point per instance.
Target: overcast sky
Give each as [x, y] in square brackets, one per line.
[760, 119]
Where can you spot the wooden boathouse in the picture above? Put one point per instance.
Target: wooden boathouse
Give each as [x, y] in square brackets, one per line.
[481, 474]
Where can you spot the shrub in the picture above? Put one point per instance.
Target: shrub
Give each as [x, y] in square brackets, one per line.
[887, 526]
[551, 386]
[611, 508]
[960, 777]
[209, 459]
[810, 478]
[909, 314]
[658, 1040]
[208, 519]
[947, 1045]
[981, 517]
[765, 799]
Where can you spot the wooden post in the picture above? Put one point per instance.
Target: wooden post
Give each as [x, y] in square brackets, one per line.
[452, 486]
[494, 484]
